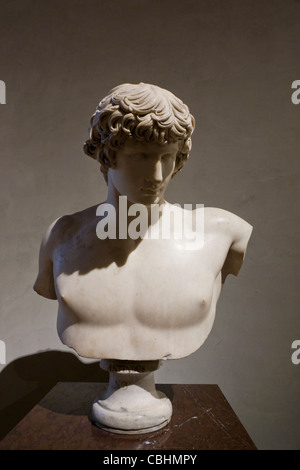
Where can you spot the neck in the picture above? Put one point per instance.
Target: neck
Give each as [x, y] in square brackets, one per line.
[125, 215]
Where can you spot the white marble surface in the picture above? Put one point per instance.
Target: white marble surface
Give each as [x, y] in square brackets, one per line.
[131, 404]
[139, 299]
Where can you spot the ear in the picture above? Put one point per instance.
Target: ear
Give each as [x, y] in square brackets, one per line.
[107, 162]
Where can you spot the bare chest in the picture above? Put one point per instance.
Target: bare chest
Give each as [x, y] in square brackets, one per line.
[155, 284]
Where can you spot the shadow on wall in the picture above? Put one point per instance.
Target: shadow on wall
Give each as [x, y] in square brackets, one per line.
[26, 380]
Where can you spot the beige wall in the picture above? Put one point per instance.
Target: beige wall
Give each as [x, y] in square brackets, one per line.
[233, 62]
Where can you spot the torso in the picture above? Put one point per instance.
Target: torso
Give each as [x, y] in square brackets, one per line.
[145, 301]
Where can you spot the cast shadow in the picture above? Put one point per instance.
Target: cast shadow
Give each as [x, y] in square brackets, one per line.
[78, 399]
[81, 250]
[25, 381]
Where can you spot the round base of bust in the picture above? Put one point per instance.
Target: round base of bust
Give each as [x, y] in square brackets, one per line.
[133, 431]
[131, 403]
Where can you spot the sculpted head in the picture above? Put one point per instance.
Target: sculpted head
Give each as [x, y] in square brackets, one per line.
[143, 112]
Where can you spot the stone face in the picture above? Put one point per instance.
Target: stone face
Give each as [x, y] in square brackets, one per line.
[142, 298]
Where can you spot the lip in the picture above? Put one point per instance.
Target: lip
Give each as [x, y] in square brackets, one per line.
[151, 191]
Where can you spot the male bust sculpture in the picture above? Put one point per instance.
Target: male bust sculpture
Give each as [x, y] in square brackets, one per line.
[128, 298]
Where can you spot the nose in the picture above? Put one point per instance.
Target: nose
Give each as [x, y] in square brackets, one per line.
[156, 175]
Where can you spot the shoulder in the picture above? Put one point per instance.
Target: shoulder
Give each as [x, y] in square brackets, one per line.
[222, 216]
[235, 230]
[238, 229]
[57, 233]
[65, 227]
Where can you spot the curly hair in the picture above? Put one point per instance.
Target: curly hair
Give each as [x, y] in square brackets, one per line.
[142, 112]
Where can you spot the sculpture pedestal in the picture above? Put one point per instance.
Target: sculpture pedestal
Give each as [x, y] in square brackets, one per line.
[131, 403]
[202, 419]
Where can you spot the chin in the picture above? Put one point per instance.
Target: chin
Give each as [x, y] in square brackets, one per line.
[148, 200]
[145, 199]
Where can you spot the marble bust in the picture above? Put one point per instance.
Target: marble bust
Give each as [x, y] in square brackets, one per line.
[139, 298]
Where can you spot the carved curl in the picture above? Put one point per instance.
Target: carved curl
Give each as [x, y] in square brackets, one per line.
[142, 112]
